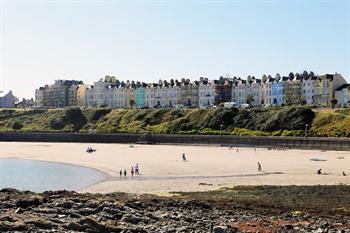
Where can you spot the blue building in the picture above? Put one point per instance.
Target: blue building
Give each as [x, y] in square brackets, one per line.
[278, 90]
[140, 93]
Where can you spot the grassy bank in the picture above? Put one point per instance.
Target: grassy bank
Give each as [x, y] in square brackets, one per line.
[283, 121]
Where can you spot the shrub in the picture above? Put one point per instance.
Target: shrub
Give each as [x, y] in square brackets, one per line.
[75, 117]
[57, 124]
[96, 114]
[17, 125]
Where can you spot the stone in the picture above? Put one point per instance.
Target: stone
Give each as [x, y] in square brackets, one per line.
[74, 227]
[31, 201]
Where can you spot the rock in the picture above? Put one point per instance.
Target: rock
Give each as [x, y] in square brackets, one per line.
[92, 224]
[131, 219]
[40, 223]
[223, 229]
[31, 201]
[74, 227]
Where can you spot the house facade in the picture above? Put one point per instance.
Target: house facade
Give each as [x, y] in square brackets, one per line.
[8, 100]
[342, 95]
[206, 92]
[325, 88]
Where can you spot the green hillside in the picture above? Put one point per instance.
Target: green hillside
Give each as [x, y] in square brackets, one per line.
[281, 121]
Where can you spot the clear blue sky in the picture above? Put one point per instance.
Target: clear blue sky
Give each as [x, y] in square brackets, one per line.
[149, 40]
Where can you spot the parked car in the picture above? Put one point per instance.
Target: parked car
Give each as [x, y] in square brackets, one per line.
[230, 105]
[244, 105]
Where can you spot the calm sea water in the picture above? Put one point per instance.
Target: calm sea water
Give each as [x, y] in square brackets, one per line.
[39, 176]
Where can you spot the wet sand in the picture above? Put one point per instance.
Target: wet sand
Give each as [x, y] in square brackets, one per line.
[162, 169]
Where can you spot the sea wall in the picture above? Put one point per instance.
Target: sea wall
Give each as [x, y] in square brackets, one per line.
[269, 141]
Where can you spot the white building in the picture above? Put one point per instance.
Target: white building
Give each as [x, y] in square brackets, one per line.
[266, 91]
[308, 89]
[342, 95]
[206, 93]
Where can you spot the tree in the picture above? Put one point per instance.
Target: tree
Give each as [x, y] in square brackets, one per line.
[250, 99]
[131, 103]
[334, 102]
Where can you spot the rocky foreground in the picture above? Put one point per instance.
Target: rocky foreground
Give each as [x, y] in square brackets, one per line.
[240, 209]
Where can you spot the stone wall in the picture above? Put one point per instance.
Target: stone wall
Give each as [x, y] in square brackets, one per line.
[292, 142]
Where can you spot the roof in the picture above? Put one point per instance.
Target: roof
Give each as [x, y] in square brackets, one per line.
[346, 85]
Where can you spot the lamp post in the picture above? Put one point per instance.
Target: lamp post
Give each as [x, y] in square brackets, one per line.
[306, 126]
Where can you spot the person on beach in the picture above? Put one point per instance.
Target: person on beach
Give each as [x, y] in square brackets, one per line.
[319, 171]
[132, 172]
[125, 172]
[259, 167]
[344, 174]
[237, 149]
[137, 169]
[184, 157]
[120, 173]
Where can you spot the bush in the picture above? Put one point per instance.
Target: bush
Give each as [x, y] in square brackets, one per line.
[75, 117]
[17, 125]
[96, 114]
[57, 124]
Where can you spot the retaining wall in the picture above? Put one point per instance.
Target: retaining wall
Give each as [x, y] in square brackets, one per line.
[292, 142]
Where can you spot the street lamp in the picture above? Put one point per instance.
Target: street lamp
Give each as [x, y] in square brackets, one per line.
[221, 125]
[306, 126]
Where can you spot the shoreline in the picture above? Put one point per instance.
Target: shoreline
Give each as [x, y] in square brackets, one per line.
[208, 167]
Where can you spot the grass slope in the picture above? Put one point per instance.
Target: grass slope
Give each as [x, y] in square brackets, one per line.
[281, 121]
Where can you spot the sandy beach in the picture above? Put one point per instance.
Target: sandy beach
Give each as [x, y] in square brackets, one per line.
[162, 169]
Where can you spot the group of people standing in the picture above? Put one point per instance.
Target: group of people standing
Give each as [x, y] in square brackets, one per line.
[133, 171]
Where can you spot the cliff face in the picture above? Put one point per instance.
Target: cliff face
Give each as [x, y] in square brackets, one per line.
[240, 209]
[281, 121]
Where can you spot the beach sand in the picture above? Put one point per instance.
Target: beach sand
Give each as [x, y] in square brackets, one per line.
[208, 167]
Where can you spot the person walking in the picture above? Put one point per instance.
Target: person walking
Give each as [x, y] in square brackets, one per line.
[120, 173]
[132, 172]
[125, 172]
[259, 167]
[137, 169]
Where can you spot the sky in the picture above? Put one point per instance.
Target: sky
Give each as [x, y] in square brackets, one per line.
[41, 41]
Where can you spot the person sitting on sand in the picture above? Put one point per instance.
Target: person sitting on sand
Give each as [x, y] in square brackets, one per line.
[259, 167]
[319, 172]
[184, 157]
[344, 174]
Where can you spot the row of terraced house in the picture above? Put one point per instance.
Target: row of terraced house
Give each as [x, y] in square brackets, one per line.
[322, 90]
